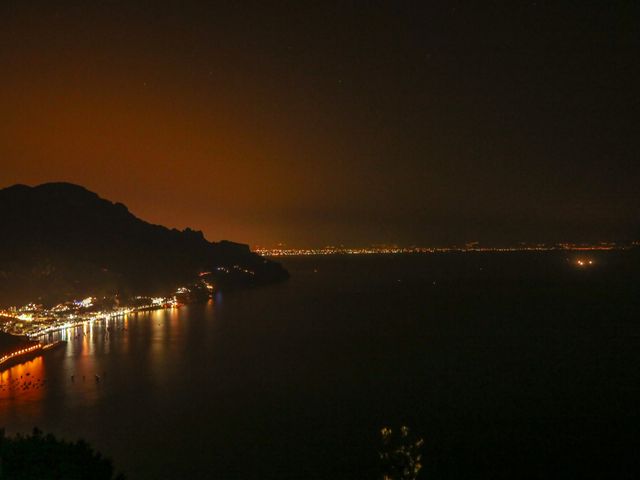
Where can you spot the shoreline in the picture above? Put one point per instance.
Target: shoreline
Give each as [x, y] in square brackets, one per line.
[28, 353]
[295, 252]
[110, 316]
[23, 355]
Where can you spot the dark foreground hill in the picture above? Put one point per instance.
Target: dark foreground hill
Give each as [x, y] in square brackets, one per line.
[11, 342]
[61, 241]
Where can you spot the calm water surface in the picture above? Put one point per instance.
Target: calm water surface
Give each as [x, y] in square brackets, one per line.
[510, 366]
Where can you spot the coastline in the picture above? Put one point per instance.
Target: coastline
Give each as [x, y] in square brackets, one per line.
[26, 352]
[97, 318]
[22, 355]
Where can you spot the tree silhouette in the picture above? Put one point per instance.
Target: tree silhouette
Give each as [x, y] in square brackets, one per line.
[44, 457]
[400, 455]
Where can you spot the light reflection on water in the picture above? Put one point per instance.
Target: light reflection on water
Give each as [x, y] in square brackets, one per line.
[97, 358]
[501, 361]
[23, 384]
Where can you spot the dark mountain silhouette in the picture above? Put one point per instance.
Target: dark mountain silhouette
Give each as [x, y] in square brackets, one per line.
[61, 241]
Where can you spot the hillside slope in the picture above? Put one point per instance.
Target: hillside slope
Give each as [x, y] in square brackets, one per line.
[61, 241]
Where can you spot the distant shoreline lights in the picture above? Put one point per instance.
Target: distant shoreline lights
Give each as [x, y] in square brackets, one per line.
[471, 248]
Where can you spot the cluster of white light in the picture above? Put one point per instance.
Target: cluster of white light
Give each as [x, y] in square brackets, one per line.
[41, 320]
[87, 302]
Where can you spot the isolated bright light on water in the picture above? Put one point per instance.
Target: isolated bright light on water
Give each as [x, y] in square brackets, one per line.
[584, 262]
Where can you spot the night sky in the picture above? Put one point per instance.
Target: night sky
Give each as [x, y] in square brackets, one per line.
[315, 123]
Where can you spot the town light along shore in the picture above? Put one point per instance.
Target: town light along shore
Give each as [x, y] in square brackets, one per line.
[9, 358]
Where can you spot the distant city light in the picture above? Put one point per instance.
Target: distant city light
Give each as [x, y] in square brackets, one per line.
[470, 247]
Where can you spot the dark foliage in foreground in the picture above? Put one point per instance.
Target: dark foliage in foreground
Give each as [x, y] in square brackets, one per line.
[400, 455]
[44, 457]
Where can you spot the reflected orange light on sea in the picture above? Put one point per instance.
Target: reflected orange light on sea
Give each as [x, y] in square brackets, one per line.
[23, 383]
